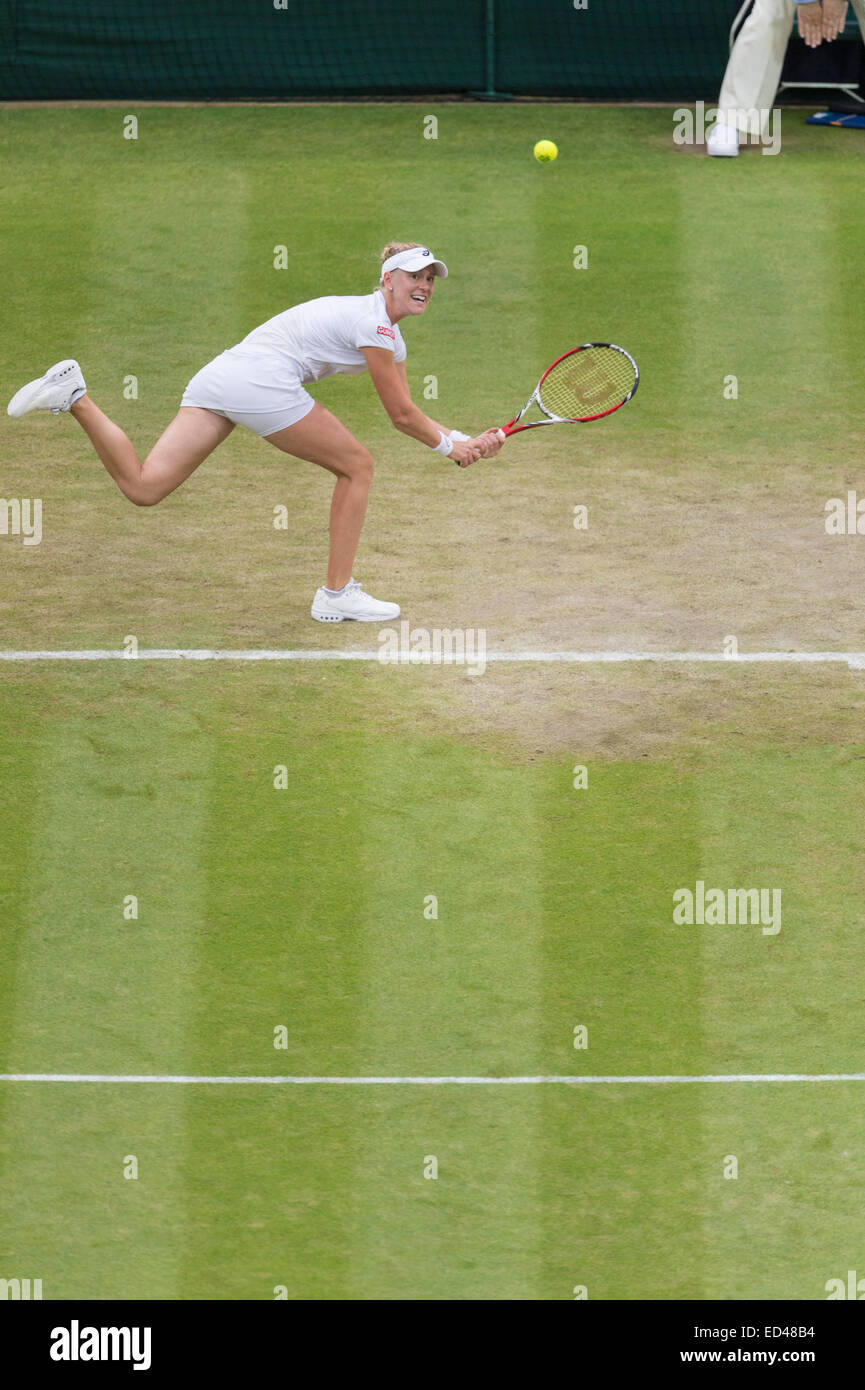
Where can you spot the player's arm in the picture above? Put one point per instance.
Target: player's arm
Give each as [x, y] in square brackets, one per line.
[392, 387]
[488, 443]
[401, 368]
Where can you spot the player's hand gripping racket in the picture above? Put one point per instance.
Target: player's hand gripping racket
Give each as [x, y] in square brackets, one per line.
[584, 384]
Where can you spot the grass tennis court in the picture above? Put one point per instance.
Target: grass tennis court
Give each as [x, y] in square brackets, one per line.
[304, 907]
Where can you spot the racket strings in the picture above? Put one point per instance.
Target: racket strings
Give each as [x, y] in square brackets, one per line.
[588, 383]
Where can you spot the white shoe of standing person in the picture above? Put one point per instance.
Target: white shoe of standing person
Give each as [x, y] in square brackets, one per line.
[351, 603]
[723, 140]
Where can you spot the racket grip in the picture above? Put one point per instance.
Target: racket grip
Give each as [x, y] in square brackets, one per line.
[502, 436]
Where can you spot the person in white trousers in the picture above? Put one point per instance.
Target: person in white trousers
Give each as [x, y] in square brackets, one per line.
[754, 70]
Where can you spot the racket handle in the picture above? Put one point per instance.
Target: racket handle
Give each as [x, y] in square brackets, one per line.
[502, 436]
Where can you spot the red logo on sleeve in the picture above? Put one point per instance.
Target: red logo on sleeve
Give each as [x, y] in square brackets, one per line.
[386, 332]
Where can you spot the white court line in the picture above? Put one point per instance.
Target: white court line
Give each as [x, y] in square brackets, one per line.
[854, 660]
[433, 1080]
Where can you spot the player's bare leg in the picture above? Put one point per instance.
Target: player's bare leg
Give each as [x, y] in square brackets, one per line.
[323, 439]
[192, 435]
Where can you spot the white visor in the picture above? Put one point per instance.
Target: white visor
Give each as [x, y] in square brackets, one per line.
[418, 258]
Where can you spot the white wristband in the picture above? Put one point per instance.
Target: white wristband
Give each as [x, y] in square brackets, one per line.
[458, 437]
[445, 446]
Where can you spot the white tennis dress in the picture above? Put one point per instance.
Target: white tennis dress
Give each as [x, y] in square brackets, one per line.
[260, 382]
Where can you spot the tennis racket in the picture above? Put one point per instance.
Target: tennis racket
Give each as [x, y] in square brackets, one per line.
[584, 384]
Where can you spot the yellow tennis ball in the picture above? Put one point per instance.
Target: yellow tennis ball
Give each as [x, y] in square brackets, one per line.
[545, 151]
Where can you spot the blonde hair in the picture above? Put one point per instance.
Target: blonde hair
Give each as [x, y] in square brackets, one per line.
[392, 249]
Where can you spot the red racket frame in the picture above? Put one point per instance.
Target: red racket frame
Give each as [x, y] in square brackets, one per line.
[514, 428]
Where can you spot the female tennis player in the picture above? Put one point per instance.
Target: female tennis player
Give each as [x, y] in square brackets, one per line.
[260, 383]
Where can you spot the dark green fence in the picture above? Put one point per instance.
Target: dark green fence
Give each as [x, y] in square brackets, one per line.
[283, 49]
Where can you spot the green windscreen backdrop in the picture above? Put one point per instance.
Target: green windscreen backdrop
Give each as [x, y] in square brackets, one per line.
[286, 49]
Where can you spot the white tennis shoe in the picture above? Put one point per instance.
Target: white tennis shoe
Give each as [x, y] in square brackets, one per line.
[723, 140]
[352, 603]
[61, 386]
